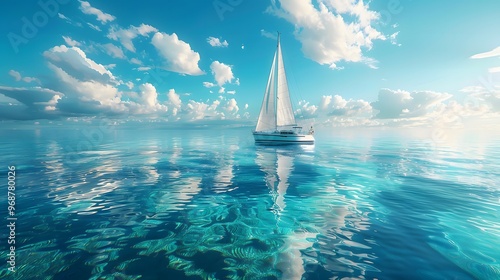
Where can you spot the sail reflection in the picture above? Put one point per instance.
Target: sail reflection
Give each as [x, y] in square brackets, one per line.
[277, 166]
[277, 163]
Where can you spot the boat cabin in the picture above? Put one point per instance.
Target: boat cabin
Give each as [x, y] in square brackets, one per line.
[287, 132]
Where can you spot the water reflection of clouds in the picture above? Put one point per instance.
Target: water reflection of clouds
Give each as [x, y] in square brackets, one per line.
[224, 169]
[85, 202]
[80, 191]
[197, 141]
[177, 195]
[151, 158]
[174, 156]
[53, 163]
[338, 208]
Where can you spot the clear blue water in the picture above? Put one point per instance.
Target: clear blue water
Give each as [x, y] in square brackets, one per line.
[156, 203]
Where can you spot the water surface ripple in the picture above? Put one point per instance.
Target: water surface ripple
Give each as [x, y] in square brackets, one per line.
[149, 203]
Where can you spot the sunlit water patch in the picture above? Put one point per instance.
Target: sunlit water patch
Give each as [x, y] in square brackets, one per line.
[143, 203]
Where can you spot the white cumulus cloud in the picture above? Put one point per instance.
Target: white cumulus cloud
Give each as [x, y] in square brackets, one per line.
[231, 106]
[82, 87]
[335, 107]
[86, 94]
[70, 42]
[393, 104]
[114, 51]
[125, 36]
[147, 102]
[28, 103]
[74, 61]
[135, 61]
[149, 94]
[86, 8]
[216, 42]
[174, 100]
[208, 84]
[18, 77]
[178, 54]
[93, 26]
[393, 38]
[331, 31]
[268, 34]
[222, 73]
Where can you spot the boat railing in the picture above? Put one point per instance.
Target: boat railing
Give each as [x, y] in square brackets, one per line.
[311, 131]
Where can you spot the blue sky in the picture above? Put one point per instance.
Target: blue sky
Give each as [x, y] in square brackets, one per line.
[349, 62]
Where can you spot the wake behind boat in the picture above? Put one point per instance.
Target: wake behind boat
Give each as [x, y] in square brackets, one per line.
[276, 123]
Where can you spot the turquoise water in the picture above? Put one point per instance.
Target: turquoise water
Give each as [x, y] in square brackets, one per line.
[146, 202]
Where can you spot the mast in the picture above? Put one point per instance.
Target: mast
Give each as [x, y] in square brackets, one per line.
[277, 81]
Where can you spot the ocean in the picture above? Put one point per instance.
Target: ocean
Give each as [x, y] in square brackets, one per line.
[149, 201]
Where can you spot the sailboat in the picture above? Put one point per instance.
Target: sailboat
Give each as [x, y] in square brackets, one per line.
[276, 123]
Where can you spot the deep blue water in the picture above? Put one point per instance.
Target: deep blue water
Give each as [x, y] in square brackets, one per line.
[157, 203]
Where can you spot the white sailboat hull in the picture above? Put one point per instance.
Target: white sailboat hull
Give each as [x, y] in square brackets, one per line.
[279, 138]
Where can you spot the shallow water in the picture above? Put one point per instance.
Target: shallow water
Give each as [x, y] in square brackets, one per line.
[155, 203]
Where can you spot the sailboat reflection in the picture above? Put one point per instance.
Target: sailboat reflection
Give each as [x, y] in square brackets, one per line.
[278, 164]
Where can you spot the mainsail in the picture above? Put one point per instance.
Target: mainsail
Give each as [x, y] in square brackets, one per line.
[276, 110]
[284, 111]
